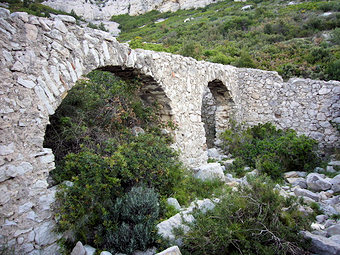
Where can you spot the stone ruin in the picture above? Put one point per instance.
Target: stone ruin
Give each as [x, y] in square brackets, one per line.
[41, 59]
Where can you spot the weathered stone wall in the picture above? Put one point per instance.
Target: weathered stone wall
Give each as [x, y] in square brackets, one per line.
[307, 106]
[41, 59]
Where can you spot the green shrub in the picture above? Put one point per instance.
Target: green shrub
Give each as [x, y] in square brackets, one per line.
[255, 220]
[132, 227]
[272, 151]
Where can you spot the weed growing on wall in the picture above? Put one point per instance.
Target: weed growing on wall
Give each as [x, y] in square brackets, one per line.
[254, 220]
[272, 151]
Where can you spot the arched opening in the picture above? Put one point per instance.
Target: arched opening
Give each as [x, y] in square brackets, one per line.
[105, 162]
[217, 111]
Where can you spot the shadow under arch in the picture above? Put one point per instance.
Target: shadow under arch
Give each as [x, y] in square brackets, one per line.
[150, 93]
[218, 108]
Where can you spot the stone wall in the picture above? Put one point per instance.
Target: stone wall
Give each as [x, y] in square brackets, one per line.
[41, 59]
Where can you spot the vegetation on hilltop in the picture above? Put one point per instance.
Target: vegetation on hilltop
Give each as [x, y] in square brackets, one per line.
[300, 39]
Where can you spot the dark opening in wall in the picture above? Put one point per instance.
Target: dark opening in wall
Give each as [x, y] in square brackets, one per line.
[217, 109]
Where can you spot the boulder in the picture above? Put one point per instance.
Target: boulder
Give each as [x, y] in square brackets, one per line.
[297, 182]
[78, 249]
[213, 153]
[173, 201]
[306, 193]
[294, 174]
[210, 171]
[105, 253]
[335, 183]
[333, 230]
[136, 131]
[174, 250]
[322, 245]
[89, 250]
[334, 163]
[317, 182]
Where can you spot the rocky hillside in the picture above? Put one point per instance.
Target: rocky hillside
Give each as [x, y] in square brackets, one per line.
[105, 9]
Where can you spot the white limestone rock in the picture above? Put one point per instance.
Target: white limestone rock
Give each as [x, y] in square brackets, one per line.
[335, 183]
[333, 230]
[89, 250]
[317, 182]
[173, 201]
[78, 249]
[174, 250]
[322, 245]
[210, 171]
[297, 182]
[306, 193]
[105, 253]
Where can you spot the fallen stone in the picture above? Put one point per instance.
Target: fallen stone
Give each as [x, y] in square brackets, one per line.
[78, 249]
[174, 250]
[136, 131]
[210, 171]
[334, 163]
[321, 218]
[173, 201]
[165, 228]
[306, 193]
[294, 174]
[333, 230]
[213, 153]
[335, 183]
[66, 18]
[322, 245]
[297, 182]
[89, 250]
[105, 253]
[317, 182]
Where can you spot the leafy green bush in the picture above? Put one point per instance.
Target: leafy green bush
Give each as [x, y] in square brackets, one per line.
[255, 220]
[272, 151]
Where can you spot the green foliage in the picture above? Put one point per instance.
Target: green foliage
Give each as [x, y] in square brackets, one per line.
[116, 177]
[270, 150]
[255, 220]
[34, 7]
[132, 225]
[275, 36]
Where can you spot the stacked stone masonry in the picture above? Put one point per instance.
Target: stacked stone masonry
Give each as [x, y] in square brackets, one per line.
[41, 59]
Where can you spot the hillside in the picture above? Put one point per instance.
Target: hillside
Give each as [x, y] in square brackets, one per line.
[294, 38]
[104, 9]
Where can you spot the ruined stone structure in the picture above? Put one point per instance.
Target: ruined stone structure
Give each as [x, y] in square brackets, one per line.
[41, 59]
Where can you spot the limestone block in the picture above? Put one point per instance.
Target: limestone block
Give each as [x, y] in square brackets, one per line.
[306, 193]
[166, 227]
[105, 253]
[173, 201]
[174, 250]
[89, 250]
[322, 245]
[26, 83]
[78, 249]
[317, 182]
[335, 183]
[297, 181]
[66, 18]
[333, 230]
[210, 171]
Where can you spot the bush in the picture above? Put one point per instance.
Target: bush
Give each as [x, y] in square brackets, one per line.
[255, 220]
[272, 151]
[134, 222]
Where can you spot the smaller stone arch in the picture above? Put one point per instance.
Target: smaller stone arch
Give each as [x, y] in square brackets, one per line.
[218, 108]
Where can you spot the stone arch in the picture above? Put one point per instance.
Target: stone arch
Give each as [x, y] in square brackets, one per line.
[218, 108]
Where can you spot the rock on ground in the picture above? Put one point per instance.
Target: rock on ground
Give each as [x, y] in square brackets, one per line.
[174, 250]
[317, 182]
[210, 171]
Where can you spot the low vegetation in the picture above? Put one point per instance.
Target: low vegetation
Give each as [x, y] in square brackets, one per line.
[254, 220]
[34, 7]
[298, 39]
[272, 151]
[102, 167]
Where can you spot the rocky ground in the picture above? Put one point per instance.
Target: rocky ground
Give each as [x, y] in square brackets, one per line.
[313, 188]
